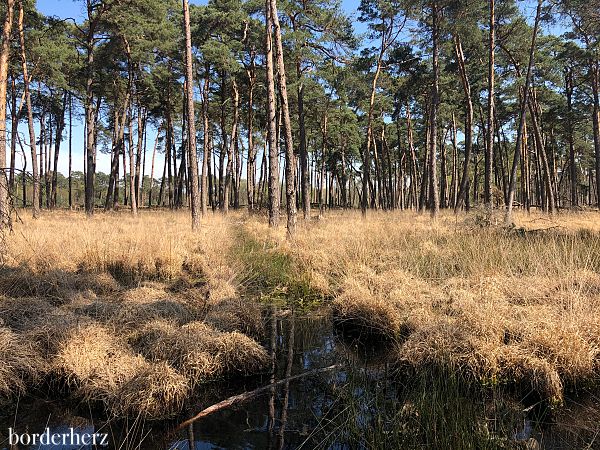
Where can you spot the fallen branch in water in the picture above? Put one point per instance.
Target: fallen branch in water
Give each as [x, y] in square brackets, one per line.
[248, 395]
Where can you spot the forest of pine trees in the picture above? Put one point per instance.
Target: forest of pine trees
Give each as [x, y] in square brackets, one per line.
[394, 239]
[435, 104]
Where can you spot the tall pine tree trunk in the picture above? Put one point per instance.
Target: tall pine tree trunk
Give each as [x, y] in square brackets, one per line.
[70, 150]
[231, 147]
[463, 191]
[206, 146]
[489, 150]
[273, 187]
[595, 75]
[290, 168]
[32, 142]
[224, 147]
[569, 87]
[367, 152]
[251, 165]
[302, 148]
[90, 116]
[444, 174]
[132, 199]
[13, 133]
[434, 198]
[191, 116]
[152, 167]
[454, 193]
[4, 61]
[60, 126]
[513, 173]
[140, 153]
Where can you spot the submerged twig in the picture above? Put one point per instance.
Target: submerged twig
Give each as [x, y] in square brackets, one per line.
[248, 395]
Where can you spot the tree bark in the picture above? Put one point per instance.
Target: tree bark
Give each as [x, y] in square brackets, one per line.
[132, 199]
[168, 150]
[191, 115]
[489, 150]
[231, 147]
[224, 145]
[414, 171]
[463, 191]
[14, 123]
[274, 202]
[539, 141]
[32, 143]
[152, 167]
[434, 198]
[60, 126]
[90, 117]
[513, 174]
[443, 174]
[302, 147]
[70, 150]
[206, 145]
[367, 152]
[290, 168]
[323, 174]
[140, 154]
[4, 62]
[454, 182]
[595, 69]
[251, 165]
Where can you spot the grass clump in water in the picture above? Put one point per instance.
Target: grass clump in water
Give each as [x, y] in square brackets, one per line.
[420, 409]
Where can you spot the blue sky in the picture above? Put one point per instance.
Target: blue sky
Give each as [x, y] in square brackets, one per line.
[71, 8]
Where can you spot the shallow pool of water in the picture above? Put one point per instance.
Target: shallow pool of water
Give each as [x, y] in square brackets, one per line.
[361, 403]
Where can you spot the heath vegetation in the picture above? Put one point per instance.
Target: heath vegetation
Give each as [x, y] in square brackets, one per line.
[443, 157]
[141, 305]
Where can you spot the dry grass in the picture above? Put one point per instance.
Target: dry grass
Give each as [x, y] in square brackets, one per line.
[135, 312]
[501, 306]
[156, 392]
[94, 361]
[155, 246]
[19, 364]
[236, 314]
[198, 350]
[80, 290]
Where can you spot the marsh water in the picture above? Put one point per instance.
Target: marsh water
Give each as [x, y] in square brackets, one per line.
[359, 401]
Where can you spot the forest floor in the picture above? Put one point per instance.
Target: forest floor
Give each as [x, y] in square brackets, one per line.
[133, 313]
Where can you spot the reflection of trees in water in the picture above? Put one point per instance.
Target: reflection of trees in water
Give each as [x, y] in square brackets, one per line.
[286, 386]
[274, 419]
[366, 404]
[273, 350]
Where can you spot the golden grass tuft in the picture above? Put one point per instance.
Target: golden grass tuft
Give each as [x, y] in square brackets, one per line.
[19, 364]
[156, 392]
[164, 341]
[78, 289]
[51, 329]
[236, 314]
[20, 314]
[95, 363]
[130, 314]
[198, 350]
[57, 286]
